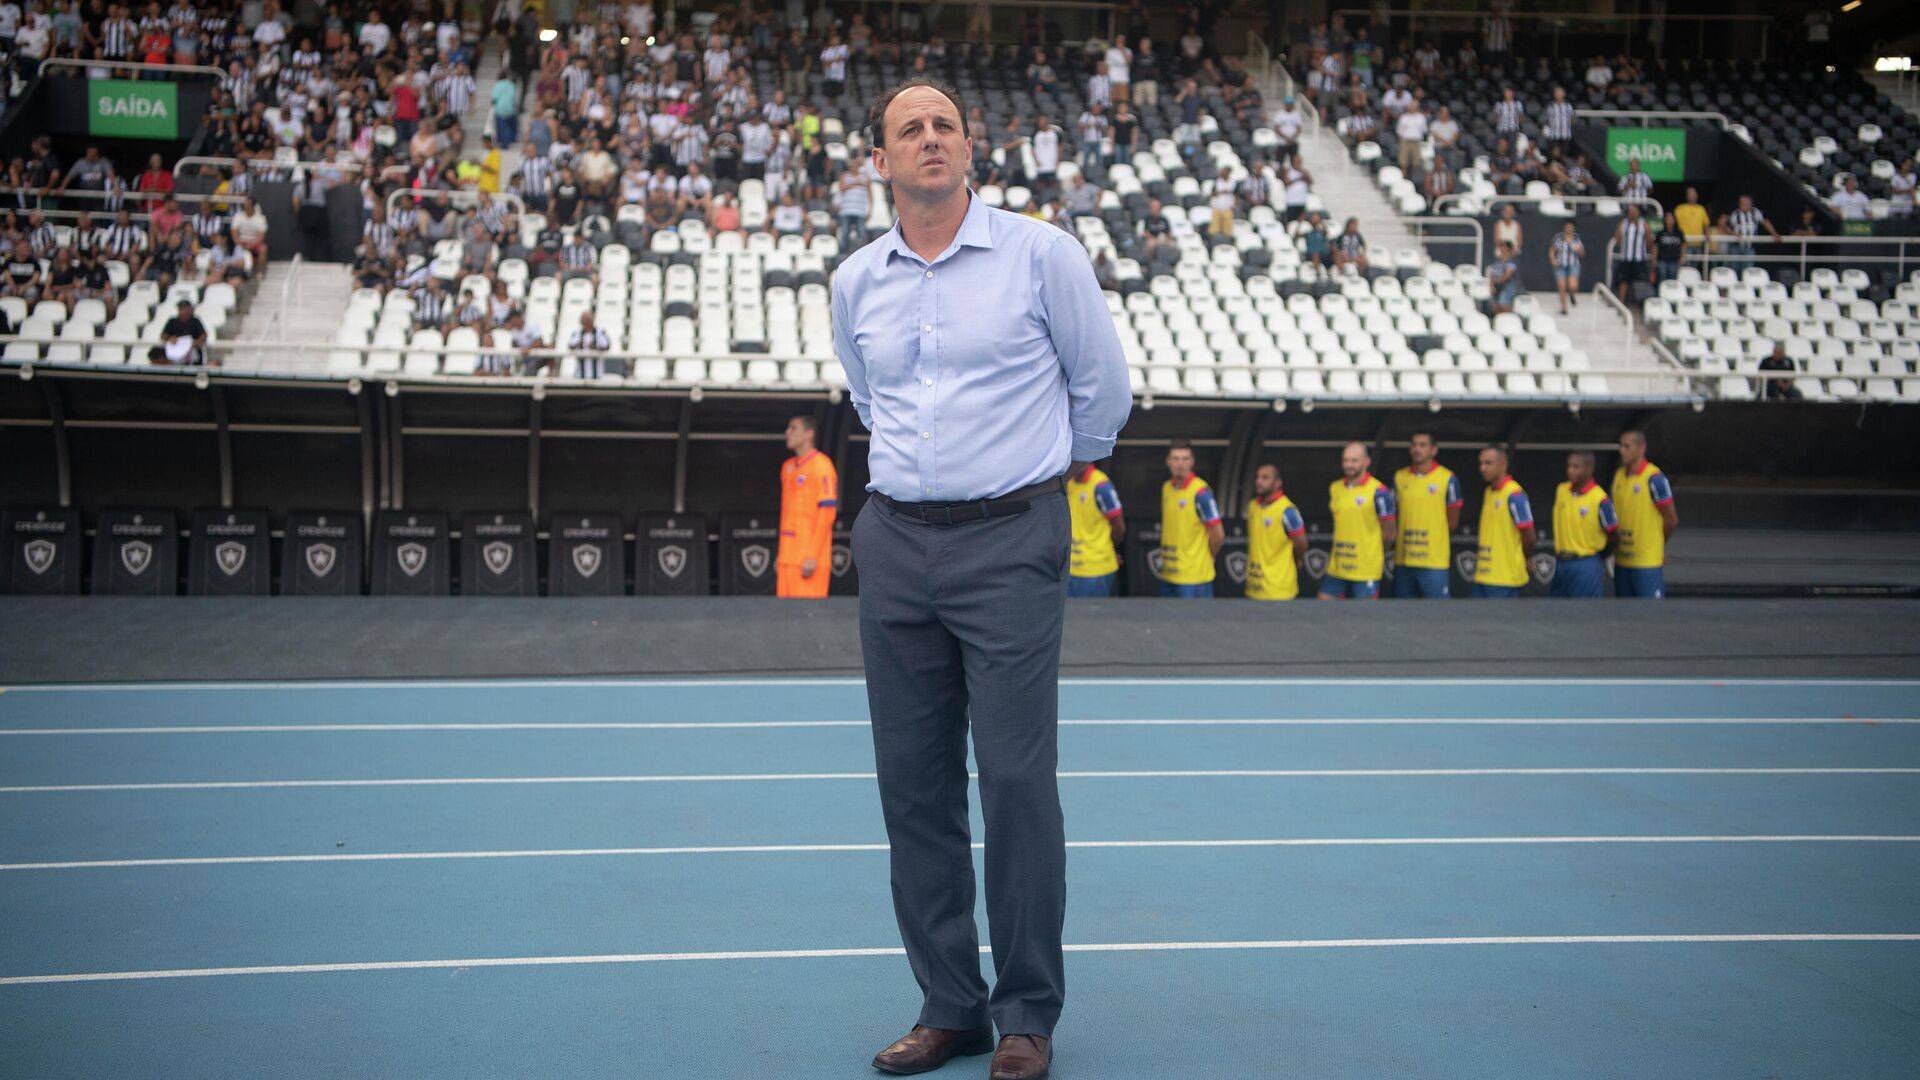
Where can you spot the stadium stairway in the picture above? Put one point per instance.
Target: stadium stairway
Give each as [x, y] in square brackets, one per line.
[479, 119]
[316, 295]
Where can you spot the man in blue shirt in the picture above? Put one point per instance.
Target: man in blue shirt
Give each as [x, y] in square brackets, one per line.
[979, 353]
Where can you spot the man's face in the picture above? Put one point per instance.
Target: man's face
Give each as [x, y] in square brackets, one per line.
[1180, 462]
[1353, 463]
[1421, 449]
[1579, 470]
[925, 147]
[797, 435]
[1631, 450]
[1492, 466]
[1266, 481]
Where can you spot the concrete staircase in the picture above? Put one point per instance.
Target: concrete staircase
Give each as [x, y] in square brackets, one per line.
[480, 118]
[314, 296]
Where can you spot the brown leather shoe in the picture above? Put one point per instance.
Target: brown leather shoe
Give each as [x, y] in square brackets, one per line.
[927, 1048]
[1022, 1057]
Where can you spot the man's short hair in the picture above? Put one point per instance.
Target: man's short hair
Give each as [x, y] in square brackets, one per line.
[1180, 444]
[809, 422]
[1498, 449]
[1583, 455]
[877, 116]
[1422, 431]
[1636, 435]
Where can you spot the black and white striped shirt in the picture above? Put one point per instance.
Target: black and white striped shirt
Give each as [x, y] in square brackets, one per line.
[1565, 252]
[577, 255]
[457, 92]
[123, 239]
[586, 341]
[42, 240]
[430, 308]
[381, 235]
[535, 173]
[1560, 120]
[492, 217]
[1506, 116]
[117, 38]
[576, 80]
[1636, 185]
[1746, 223]
[1633, 241]
[689, 144]
[404, 217]
[208, 226]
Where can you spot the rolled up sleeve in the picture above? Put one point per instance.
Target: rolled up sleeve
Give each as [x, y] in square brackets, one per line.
[1099, 398]
[848, 352]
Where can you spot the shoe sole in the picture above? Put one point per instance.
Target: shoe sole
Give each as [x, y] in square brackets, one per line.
[968, 1050]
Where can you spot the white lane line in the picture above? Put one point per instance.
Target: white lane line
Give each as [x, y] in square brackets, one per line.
[644, 683]
[721, 725]
[807, 954]
[1125, 774]
[763, 849]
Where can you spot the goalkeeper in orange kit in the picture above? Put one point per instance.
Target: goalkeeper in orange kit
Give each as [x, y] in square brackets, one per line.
[809, 499]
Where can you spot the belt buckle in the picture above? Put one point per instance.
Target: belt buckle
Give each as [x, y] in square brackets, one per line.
[945, 515]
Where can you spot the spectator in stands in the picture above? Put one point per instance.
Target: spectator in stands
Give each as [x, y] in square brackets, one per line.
[833, 66]
[586, 341]
[1046, 158]
[1810, 223]
[90, 174]
[1780, 389]
[94, 282]
[1350, 248]
[1503, 277]
[1316, 249]
[1438, 182]
[183, 340]
[1900, 190]
[1692, 218]
[1502, 170]
[1221, 201]
[1257, 188]
[1565, 253]
[169, 260]
[855, 205]
[1506, 229]
[1093, 127]
[62, 277]
[1670, 249]
[1633, 251]
[789, 219]
[526, 336]
[1126, 134]
[1145, 72]
[1411, 129]
[24, 277]
[225, 262]
[1361, 124]
[1288, 121]
[1746, 221]
[1508, 113]
[1850, 203]
[1576, 178]
[1156, 235]
[577, 260]
[1445, 132]
[1558, 129]
[1635, 184]
[1082, 198]
[370, 270]
[1299, 186]
[156, 183]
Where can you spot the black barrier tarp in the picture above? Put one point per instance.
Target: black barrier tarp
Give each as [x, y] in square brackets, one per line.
[136, 552]
[321, 555]
[586, 554]
[410, 554]
[748, 547]
[1141, 559]
[497, 555]
[670, 555]
[42, 552]
[230, 554]
[846, 578]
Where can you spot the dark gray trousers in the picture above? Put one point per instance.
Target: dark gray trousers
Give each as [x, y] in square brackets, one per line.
[958, 624]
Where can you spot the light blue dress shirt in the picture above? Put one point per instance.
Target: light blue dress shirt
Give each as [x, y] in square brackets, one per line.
[991, 368]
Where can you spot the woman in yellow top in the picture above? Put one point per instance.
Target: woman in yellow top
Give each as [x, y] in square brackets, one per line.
[1692, 218]
[490, 166]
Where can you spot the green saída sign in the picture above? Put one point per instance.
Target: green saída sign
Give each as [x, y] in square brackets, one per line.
[123, 108]
[1662, 151]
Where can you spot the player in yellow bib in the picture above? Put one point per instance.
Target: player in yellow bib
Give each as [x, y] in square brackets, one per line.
[1429, 501]
[1643, 498]
[1190, 529]
[1506, 531]
[1098, 529]
[1276, 539]
[1363, 526]
[1584, 527]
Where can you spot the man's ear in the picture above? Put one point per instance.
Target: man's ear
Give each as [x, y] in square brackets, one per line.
[880, 164]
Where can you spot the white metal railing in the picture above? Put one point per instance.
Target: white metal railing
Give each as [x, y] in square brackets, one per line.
[1647, 116]
[263, 164]
[1555, 22]
[1906, 251]
[460, 199]
[1624, 201]
[130, 65]
[1607, 295]
[401, 378]
[276, 329]
[132, 197]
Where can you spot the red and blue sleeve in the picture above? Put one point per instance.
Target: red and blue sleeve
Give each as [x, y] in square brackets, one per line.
[1106, 499]
[1521, 509]
[1660, 489]
[1454, 501]
[1384, 505]
[1206, 507]
[1608, 519]
[1293, 522]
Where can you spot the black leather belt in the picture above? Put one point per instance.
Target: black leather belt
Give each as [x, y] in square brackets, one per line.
[953, 513]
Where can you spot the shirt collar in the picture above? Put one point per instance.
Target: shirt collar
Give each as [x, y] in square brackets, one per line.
[1428, 471]
[801, 461]
[1365, 478]
[1641, 468]
[1185, 484]
[1086, 474]
[975, 231]
[1503, 483]
[1278, 494]
[1586, 487]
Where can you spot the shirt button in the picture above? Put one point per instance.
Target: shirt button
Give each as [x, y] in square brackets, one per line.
[928, 328]
[929, 382]
[929, 273]
[926, 434]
